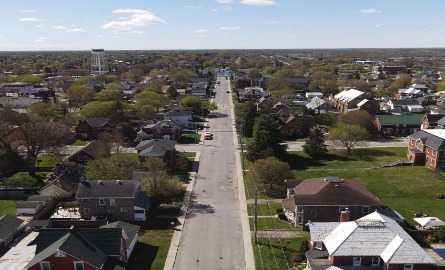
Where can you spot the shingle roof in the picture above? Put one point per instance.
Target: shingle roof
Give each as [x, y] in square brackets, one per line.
[99, 122]
[333, 191]
[166, 124]
[433, 118]
[107, 189]
[8, 225]
[92, 149]
[434, 138]
[142, 201]
[163, 144]
[26, 204]
[130, 230]
[404, 102]
[407, 119]
[178, 113]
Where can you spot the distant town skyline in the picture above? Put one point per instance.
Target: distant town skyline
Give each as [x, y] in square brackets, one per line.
[30, 25]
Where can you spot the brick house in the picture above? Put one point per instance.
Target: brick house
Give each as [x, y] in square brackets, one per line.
[297, 125]
[90, 128]
[354, 99]
[388, 125]
[430, 120]
[251, 94]
[374, 241]
[322, 200]
[118, 199]
[388, 70]
[107, 247]
[165, 129]
[164, 149]
[90, 151]
[269, 103]
[427, 147]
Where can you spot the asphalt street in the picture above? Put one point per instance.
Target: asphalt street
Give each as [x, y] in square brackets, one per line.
[212, 235]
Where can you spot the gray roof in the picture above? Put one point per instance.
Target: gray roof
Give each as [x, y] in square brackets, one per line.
[130, 230]
[8, 225]
[20, 102]
[430, 140]
[404, 102]
[166, 124]
[142, 201]
[26, 204]
[163, 144]
[152, 151]
[99, 122]
[107, 189]
[178, 113]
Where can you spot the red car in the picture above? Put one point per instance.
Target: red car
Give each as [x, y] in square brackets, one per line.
[208, 137]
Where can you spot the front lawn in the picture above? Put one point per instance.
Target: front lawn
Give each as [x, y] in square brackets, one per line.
[264, 209]
[23, 179]
[7, 207]
[189, 139]
[270, 224]
[80, 143]
[152, 248]
[46, 160]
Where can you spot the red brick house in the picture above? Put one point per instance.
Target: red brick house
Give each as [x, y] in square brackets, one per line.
[430, 120]
[297, 125]
[427, 148]
[90, 128]
[107, 247]
[354, 99]
[323, 199]
[374, 241]
[165, 129]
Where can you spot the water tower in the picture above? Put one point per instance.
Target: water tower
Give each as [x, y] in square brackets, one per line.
[98, 62]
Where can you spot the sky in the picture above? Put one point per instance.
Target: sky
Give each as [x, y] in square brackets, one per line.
[36, 25]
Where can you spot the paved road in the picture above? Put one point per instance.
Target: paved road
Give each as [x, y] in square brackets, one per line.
[212, 236]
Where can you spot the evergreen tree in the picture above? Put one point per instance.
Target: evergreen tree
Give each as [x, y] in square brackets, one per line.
[267, 140]
[315, 146]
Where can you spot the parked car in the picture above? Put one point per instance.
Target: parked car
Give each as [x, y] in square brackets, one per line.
[208, 137]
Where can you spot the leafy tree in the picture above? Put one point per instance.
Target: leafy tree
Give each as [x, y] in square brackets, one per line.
[348, 136]
[109, 141]
[326, 119]
[403, 81]
[33, 133]
[115, 167]
[440, 86]
[161, 186]
[109, 95]
[361, 118]
[211, 106]
[270, 171]
[110, 109]
[46, 110]
[194, 102]
[324, 86]
[127, 131]
[245, 114]
[315, 146]
[267, 139]
[151, 99]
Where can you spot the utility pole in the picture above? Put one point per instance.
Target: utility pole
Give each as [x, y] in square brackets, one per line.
[255, 222]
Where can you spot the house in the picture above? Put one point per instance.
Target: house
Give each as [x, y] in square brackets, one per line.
[183, 118]
[165, 129]
[104, 248]
[157, 148]
[354, 99]
[427, 147]
[120, 200]
[10, 228]
[298, 125]
[430, 120]
[388, 70]
[290, 186]
[374, 241]
[89, 152]
[269, 103]
[409, 93]
[33, 204]
[251, 94]
[90, 128]
[402, 104]
[316, 103]
[17, 257]
[323, 199]
[399, 125]
[62, 187]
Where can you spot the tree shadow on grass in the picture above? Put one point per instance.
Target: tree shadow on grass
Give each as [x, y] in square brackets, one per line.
[142, 257]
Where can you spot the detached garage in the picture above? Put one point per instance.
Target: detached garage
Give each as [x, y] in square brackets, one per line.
[29, 208]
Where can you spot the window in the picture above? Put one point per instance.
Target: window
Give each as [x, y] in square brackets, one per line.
[299, 209]
[86, 211]
[85, 200]
[408, 267]
[112, 202]
[300, 219]
[357, 261]
[365, 209]
[80, 158]
[124, 209]
[375, 261]
[101, 201]
[78, 266]
[45, 266]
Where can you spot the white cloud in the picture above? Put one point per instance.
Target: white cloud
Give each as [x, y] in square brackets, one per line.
[379, 25]
[28, 11]
[259, 2]
[201, 31]
[138, 18]
[31, 20]
[228, 9]
[229, 28]
[137, 32]
[59, 27]
[74, 30]
[1, 36]
[41, 39]
[370, 11]
[224, 1]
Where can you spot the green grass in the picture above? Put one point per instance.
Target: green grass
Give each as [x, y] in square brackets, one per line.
[339, 159]
[79, 143]
[408, 189]
[46, 160]
[263, 209]
[152, 248]
[7, 207]
[276, 254]
[189, 139]
[22, 179]
[188, 155]
[270, 224]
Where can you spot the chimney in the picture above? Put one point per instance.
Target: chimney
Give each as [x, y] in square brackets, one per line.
[72, 229]
[345, 215]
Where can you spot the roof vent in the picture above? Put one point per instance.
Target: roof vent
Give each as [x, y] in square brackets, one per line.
[336, 185]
